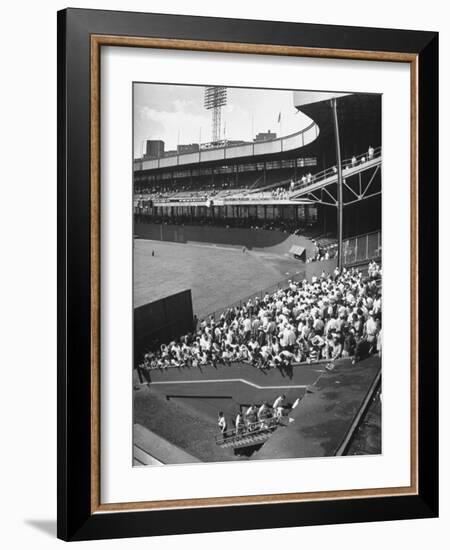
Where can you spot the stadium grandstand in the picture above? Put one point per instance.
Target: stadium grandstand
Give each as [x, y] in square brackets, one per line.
[289, 178]
[278, 242]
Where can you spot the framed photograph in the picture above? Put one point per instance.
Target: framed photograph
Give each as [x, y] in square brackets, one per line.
[247, 255]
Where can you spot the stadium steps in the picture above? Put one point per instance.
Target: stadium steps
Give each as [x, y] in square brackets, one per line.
[258, 437]
[143, 458]
[247, 441]
[150, 448]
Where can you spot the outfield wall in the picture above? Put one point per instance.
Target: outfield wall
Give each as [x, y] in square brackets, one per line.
[275, 242]
[162, 321]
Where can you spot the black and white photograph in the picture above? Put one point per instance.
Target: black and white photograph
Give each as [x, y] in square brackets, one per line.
[257, 274]
[222, 253]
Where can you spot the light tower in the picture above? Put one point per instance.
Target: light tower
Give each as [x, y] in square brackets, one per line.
[215, 99]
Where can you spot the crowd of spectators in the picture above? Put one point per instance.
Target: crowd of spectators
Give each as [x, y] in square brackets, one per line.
[280, 193]
[332, 316]
[207, 189]
[195, 187]
[323, 252]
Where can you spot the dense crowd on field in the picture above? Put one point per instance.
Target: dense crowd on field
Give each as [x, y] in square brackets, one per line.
[332, 316]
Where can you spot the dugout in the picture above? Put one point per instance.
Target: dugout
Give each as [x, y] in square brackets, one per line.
[298, 252]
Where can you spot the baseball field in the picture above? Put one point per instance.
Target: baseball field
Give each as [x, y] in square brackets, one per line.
[217, 275]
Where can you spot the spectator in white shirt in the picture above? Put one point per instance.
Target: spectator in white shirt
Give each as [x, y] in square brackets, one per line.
[222, 423]
[278, 406]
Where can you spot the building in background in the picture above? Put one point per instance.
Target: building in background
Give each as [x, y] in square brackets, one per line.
[154, 148]
[265, 136]
[268, 175]
[188, 148]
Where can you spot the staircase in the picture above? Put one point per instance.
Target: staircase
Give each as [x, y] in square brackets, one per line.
[257, 434]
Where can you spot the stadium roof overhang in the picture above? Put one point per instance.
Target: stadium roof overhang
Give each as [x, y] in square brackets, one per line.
[359, 118]
[284, 147]
[360, 127]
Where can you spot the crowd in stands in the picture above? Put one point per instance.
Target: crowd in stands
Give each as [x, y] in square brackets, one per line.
[203, 193]
[280, 193]
[323, 251]
[208, 187]
[197, 187]
[332, 316]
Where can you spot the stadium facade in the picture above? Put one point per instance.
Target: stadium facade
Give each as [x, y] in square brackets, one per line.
[291, 177]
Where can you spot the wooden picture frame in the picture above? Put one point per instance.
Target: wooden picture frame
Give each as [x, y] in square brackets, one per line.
[81, 35]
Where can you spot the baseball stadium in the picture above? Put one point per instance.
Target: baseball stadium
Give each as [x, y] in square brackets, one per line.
[257, 287]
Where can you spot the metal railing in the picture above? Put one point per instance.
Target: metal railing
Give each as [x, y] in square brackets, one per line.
[248, 431]
[331, 172]
[251, 195]
[306, 181]
[362, 248]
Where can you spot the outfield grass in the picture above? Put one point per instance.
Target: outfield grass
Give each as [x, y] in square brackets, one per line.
[217, 276]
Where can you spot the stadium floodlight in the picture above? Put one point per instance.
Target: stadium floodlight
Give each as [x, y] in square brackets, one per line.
[215, 99]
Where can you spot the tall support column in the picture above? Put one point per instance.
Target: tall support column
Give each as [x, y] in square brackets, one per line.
[340, 206]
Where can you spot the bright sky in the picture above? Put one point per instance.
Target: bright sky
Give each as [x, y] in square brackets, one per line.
[176, 114]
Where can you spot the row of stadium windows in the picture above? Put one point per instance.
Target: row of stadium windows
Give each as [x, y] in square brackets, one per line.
[302, 212]
[226, 169]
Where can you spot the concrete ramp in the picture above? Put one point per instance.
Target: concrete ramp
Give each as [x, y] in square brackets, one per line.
[324, 421]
